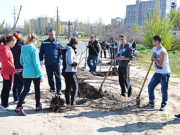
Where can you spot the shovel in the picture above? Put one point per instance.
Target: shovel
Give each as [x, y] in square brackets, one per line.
[138, 100]
[100, 88]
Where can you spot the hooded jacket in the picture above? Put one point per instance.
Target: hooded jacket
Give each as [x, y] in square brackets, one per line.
[6, 59]
[30, 61]
[69, 59]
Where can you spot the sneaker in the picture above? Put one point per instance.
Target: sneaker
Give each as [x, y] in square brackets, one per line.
[149, 106]
[15, 102]
[38, 108]
[20, 111]
[52, 90]
[7, 108]
[123, 94]
[163, 107]
[177, 116]
[59, 93]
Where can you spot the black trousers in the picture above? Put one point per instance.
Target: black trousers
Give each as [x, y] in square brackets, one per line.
[124, 79]
[5, 91]
[71, 83]
[27, 85]
[51, 71]
[17, 86]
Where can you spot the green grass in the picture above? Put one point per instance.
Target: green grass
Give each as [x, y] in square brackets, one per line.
[145, 59]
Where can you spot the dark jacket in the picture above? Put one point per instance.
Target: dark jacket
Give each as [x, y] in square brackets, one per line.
[94, 48]
[51, 51]
[16, 51]
[125, 52]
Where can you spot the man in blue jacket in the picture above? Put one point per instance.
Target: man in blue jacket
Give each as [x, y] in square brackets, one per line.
[51, 50]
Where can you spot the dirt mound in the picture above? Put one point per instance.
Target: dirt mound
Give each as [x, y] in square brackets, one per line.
[88, 91]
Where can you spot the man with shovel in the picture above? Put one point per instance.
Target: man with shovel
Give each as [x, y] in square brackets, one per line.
[162, 73]
[124, 57]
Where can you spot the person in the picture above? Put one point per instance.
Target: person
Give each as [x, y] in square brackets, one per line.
[162, 73]
[94, 50]
[32, 72]
[113, 47]
[7, 69]
[69, 71]
[51, 50]
[133, 46]
[18, 79]
[124, 57]
[103, 48]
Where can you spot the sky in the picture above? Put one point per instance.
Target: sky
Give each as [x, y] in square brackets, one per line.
[83, 10]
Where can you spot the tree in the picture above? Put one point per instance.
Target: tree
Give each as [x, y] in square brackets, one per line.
[157, 25]
[174, 16]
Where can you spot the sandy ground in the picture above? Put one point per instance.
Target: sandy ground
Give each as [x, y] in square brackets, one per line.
[95, 120]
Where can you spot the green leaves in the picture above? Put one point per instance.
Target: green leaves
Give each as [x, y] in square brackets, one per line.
[157, 25]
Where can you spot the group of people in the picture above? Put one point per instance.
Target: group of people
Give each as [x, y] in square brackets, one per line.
[21, 65]
[122, 53]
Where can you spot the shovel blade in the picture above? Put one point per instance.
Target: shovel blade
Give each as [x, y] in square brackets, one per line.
[138, 102]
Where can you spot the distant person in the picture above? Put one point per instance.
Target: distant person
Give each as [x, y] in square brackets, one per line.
[113, 47]
[18, 78]
[103, 48]
[7, 69]
[32, 72]
[162, 73]
[51, 50]
[124, 57]
[133, 46]
[69, 71]
[94, 50]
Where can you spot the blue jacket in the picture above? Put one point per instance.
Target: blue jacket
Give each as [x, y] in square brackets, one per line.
[51, 51]
[69, 59]
[30, 61]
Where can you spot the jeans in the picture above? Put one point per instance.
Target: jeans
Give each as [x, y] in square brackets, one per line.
[27, 84]
[17, 86]
[5, 91]
[124, 80]
[71, 82]
[156, 79]
[54, 70]
[92, 62]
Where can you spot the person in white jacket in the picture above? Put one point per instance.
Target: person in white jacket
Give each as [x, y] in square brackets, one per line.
[69, 71]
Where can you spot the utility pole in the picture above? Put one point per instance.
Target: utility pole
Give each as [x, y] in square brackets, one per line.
[14, 13]
[57, 22]
[69, 29]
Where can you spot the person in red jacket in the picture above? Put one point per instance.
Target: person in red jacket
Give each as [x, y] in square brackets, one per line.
[7, 69]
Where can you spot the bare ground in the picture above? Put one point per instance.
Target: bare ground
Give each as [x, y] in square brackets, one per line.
[109, 115]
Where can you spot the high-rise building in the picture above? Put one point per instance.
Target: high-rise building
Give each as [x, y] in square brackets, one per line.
[136, 14]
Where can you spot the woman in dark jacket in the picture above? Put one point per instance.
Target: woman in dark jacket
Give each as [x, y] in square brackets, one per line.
[18, 79]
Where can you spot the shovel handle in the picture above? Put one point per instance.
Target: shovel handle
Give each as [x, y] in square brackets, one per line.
[145, 79]
[107, 74]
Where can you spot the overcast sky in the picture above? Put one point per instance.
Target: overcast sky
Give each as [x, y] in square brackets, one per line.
[68, 9]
